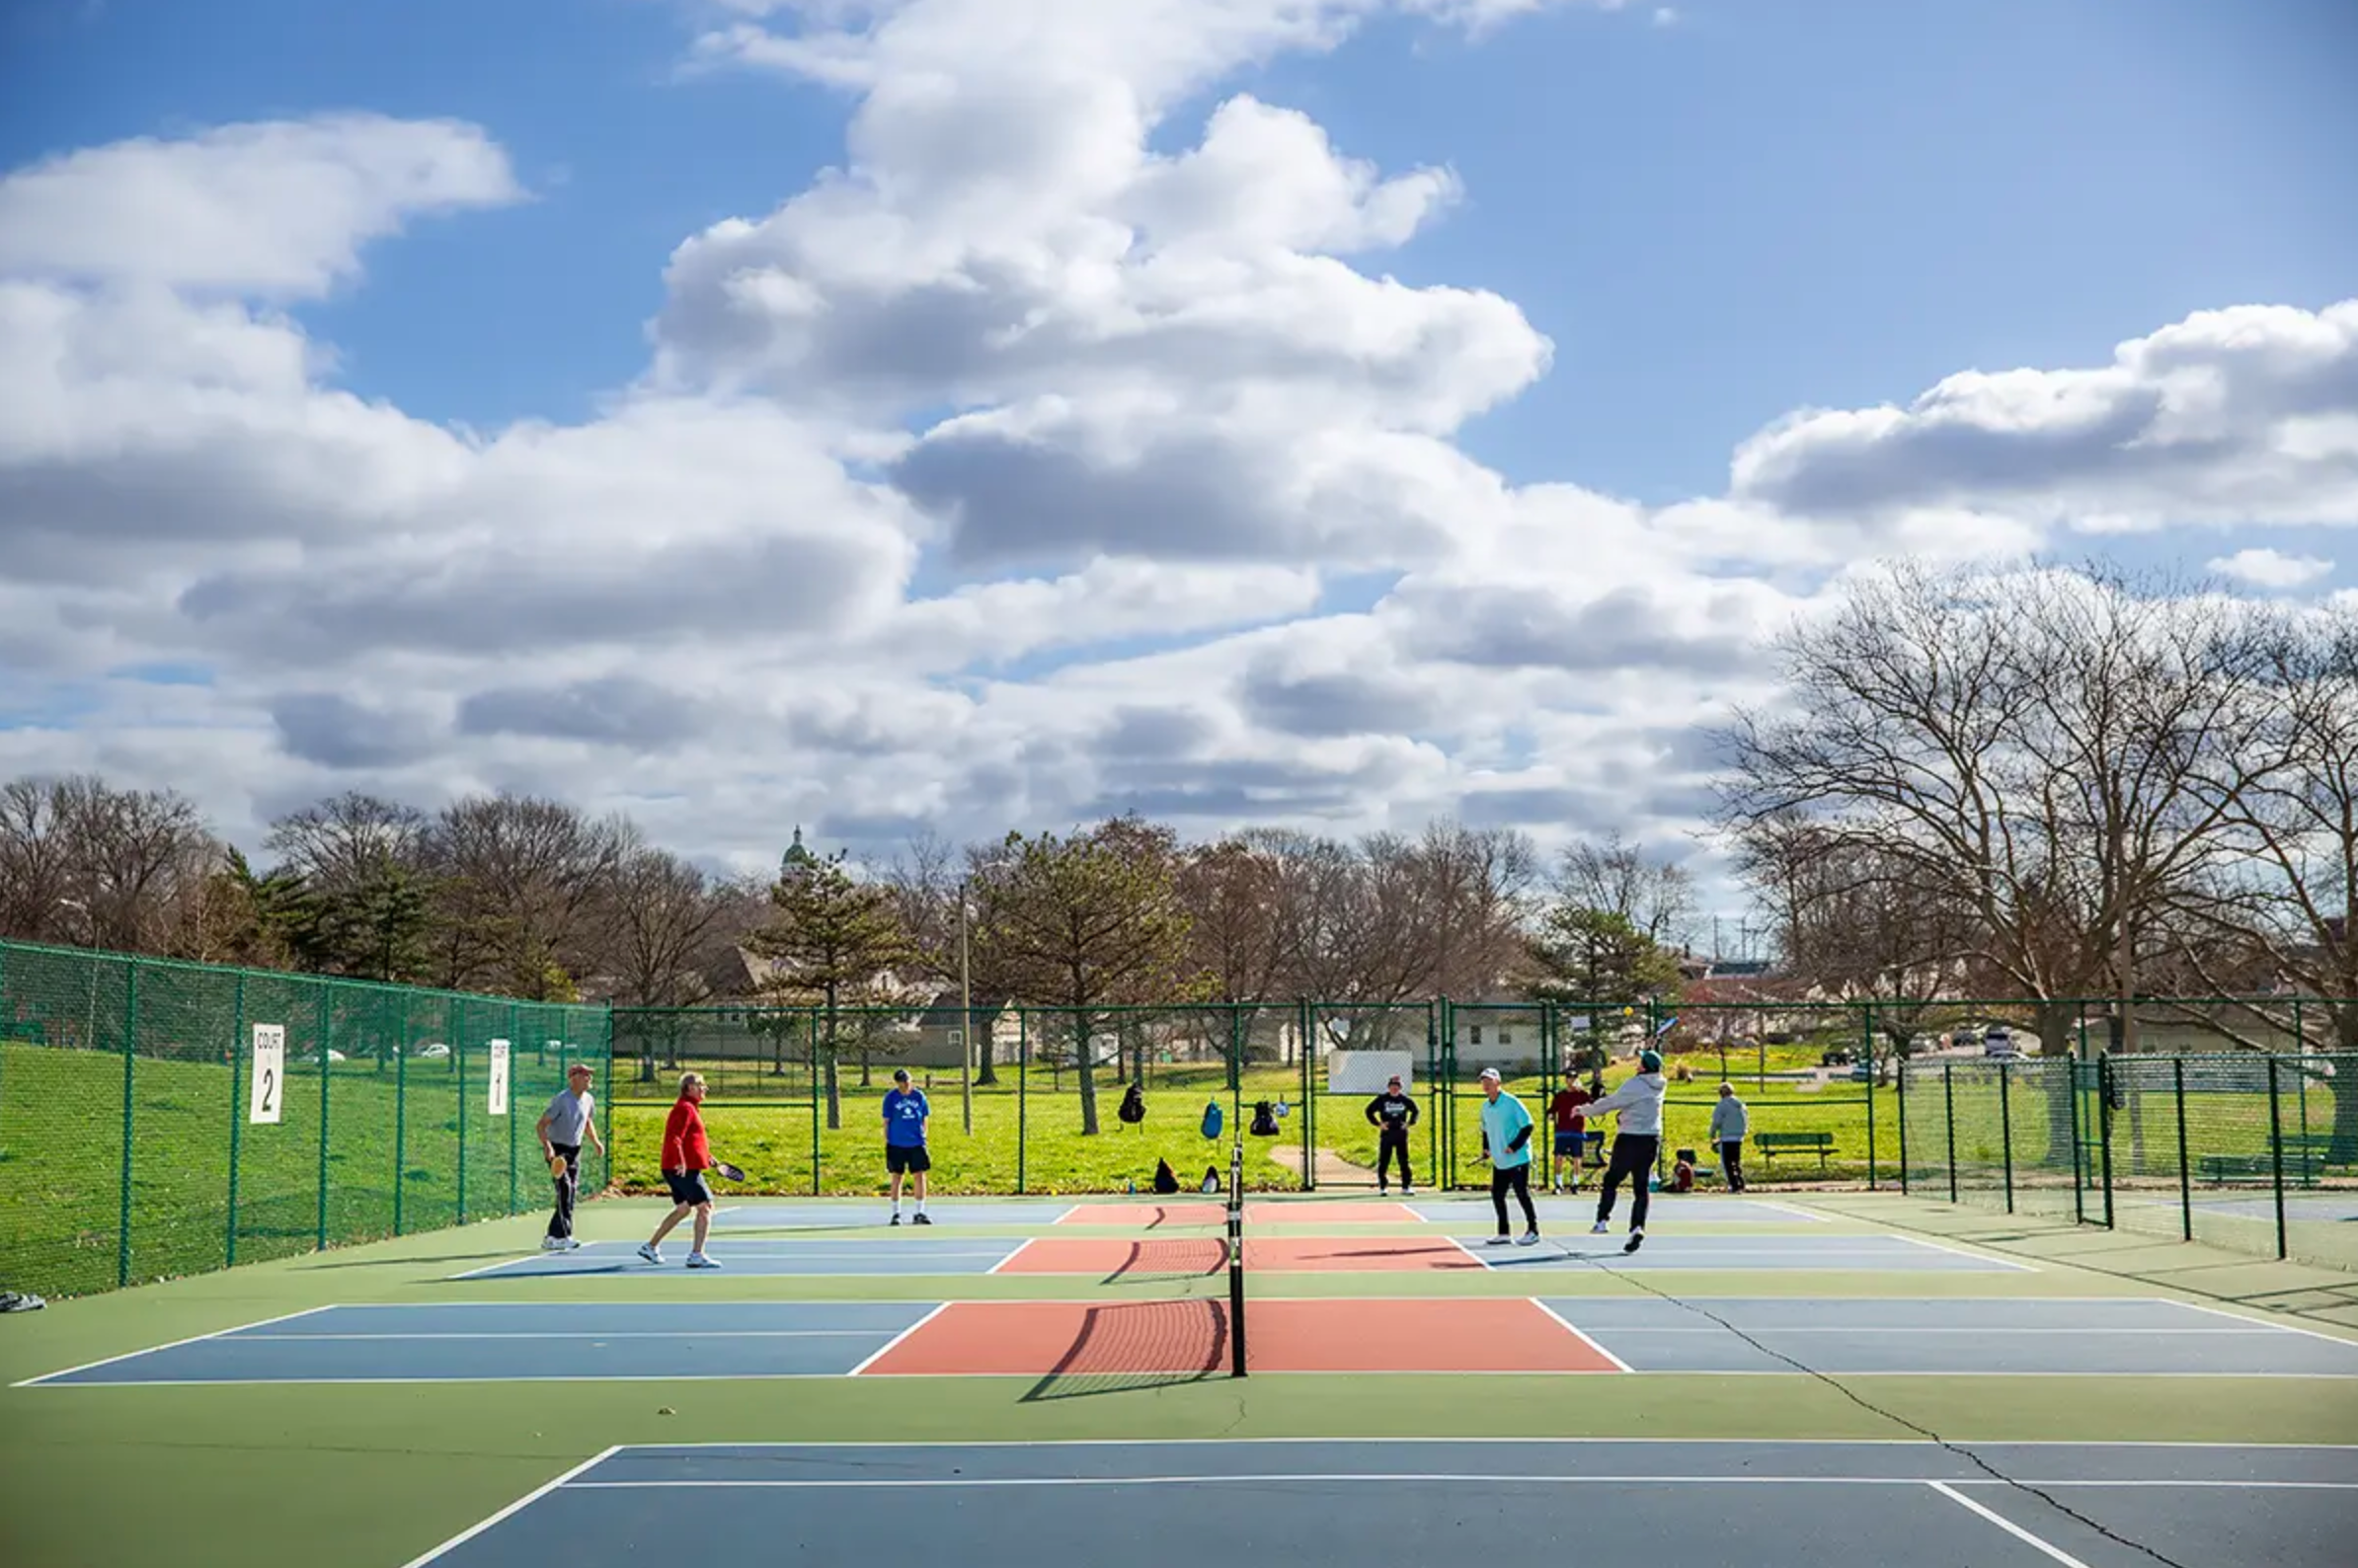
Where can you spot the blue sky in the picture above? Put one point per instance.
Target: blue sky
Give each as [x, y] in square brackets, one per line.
[1260, 532]
[1768, 205]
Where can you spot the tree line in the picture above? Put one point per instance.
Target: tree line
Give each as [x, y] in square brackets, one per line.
[2055, 787]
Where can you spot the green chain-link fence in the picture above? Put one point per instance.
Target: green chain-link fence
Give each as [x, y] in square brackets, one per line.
[161, 1119]
[2251, 1151]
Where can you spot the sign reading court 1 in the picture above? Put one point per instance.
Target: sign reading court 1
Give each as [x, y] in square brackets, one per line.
[499, 1078]
[269, 1095]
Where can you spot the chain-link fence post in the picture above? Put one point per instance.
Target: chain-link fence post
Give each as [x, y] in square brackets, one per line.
[130, 1055]
[1948, 1117]
[401, 1108]
[1022, 1100]
[516, 1039]
[327, 1036]
[1866, 1049]
[2079, 1139]
[458, 1068]
[1900, 1079]
[2276, 1154]
[237, 1115]
[2005, 1127]
[2105, 1126]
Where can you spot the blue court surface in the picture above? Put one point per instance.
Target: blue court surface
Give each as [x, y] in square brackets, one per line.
[1340, 1504]
[850, 1216]
[588, 1341]
[1666, 1249]
[1558, 1210]
[931, 1251]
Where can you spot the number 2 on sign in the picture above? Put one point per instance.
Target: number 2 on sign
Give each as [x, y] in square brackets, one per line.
[269, 1071]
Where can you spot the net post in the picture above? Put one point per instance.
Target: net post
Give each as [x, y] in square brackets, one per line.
[2006, 1130]
[1236, 1260]
[2276, 1156]
[237, 1112]
[2178, 1074]
[130, 1053]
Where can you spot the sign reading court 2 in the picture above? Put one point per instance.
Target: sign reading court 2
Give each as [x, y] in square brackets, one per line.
[268, 1096]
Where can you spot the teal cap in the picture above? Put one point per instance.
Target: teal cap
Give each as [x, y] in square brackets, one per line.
[1649, 1061]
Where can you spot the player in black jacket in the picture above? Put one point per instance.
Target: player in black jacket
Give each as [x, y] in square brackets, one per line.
[1393, 1113]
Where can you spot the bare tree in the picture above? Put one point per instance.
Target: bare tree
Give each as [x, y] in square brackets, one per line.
[1655, 897]
[518, 881]
[664, 922]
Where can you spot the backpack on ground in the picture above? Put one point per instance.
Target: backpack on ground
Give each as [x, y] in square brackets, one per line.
[1134, 1105]
[1212, 1178]
[1167, 1180]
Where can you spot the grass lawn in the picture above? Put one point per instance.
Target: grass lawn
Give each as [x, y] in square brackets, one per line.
[61, 1163]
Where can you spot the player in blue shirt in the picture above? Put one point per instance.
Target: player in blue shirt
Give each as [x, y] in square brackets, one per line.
[905, 1114]
[1506, 1144]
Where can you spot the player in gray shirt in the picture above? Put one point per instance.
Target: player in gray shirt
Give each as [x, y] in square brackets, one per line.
[571, 1117]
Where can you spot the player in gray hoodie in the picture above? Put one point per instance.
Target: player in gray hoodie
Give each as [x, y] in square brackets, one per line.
[1637, 1141]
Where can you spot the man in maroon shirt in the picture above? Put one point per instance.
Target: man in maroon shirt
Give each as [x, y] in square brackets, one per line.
[1571, 1129]
[686, 1157]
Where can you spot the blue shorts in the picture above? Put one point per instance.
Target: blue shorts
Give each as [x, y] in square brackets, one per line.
[1571, 1143]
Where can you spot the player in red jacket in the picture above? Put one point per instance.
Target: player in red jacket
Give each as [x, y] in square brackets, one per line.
[686, 1157]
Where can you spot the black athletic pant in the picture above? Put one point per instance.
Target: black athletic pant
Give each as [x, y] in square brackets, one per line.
[1517, 1180]
[1632, 1157]
[1387, 1143]
[561, 1223]
[1731, 1160]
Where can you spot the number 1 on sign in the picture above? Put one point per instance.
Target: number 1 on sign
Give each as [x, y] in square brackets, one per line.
[270, 1073]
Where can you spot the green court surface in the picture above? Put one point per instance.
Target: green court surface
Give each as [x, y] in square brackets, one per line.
[377, 1404]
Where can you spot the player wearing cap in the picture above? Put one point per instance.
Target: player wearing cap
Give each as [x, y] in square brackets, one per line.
[571, 1117]
[1636, 1141]
[1506, 1143]
[1393, 1113]
[904, 1115]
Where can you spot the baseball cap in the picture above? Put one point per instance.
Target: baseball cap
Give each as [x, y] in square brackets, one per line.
[1491, 1076]
[1649, 1061]
[900, 1074]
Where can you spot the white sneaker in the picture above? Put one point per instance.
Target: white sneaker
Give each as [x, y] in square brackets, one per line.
[1529, 1239]
[572, 1245]
[553, 1243]
[698, 1260]
[651, 1252]
[1598, 1229]
[1499, 1241]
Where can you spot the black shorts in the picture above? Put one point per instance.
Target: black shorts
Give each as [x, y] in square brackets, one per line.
[688, 1189]
[900, 1157]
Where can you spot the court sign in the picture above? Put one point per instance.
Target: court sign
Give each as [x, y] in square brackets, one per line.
[499, 1078]
[268, 1096]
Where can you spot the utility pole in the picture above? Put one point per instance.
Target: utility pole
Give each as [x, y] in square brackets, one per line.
[966, 1019]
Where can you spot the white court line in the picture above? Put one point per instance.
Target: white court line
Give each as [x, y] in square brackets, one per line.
[1010, 1257]
[1393, 1478]
[866, 1362]
[2263, 1323]
[463, 1335]
[1869, 1331]
[503, 1263]
[1788, 1209]
[192, 1339]
[516, 1507]
[1747, 1443]
[1981, 1257]
[1581, 1333]
[1468, 1251]
[2008, 1524]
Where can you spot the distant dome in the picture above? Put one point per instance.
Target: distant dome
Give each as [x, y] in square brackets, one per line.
[797, 858]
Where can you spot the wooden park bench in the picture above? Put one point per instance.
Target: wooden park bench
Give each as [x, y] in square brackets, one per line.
[1772, 1144]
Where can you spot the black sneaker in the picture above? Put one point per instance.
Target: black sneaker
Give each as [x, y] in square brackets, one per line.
[922, 1219]
[1637, 1239]
[895, 1219]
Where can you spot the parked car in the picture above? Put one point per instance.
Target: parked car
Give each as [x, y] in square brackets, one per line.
[1998, 1042]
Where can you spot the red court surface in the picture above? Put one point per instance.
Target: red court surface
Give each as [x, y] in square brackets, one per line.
[1078, 1339]
[1309, 1211]
[1112, 1257]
